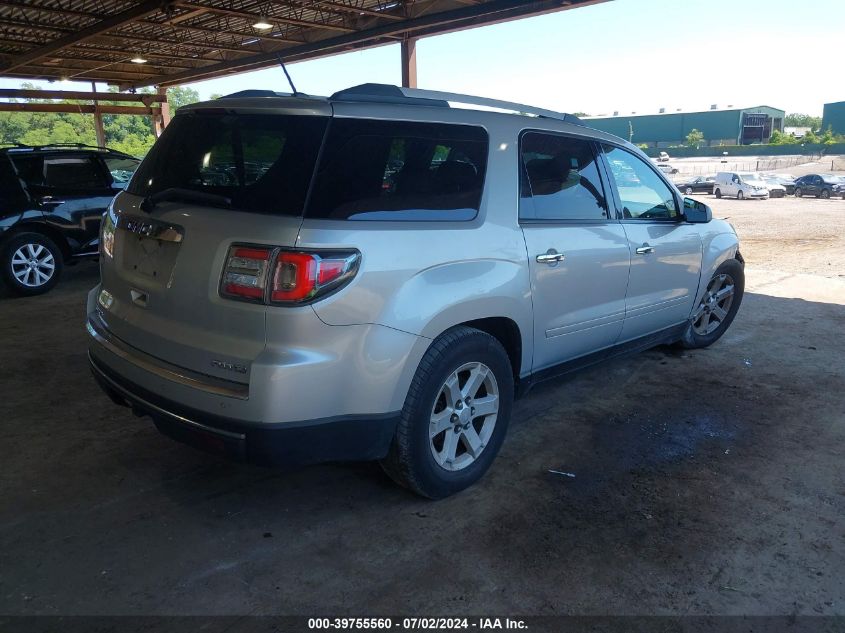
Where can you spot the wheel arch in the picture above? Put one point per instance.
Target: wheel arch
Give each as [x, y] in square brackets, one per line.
[507, 332]
[43, 229]
[718, 247]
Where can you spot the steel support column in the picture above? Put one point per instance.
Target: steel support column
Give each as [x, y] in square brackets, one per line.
[161, 122]
[98, 119]
[409, 62]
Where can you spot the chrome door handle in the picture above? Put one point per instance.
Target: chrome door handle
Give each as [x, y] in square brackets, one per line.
[550, 257]
[645, 249]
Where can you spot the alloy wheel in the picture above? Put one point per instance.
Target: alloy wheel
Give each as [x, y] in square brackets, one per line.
[33, 265]
[714, 306]
[463, 416]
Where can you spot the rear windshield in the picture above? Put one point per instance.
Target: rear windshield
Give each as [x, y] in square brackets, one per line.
[262, 163]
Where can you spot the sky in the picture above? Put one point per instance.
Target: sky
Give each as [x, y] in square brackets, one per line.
[624, 55]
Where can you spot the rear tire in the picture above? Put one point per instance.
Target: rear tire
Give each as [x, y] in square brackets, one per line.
[688, 191]
[441, 445]
[718, 193]
[717, 308]
[31, 264]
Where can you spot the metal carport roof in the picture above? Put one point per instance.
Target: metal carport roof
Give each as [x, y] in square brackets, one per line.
[189, 40]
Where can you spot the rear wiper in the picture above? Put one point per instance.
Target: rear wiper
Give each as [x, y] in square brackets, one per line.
[188, 195]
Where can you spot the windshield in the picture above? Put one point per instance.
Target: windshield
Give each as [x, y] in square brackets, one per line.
[750, 178]
[833, 179]
[261, 163]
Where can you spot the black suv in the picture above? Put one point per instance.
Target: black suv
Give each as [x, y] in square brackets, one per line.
[52, 198]
[820, 185]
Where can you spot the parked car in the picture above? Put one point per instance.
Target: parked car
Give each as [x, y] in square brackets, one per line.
[820, 185]
[663, 157]
[667, 169]
[697, 184]
[53, 198]
[308, 313]
[787, 181]
[740, 185]
[776, 190]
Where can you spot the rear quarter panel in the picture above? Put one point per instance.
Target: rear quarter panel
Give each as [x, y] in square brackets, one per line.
[425, 277]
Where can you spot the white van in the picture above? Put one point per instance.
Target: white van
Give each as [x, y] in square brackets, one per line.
[740, 185]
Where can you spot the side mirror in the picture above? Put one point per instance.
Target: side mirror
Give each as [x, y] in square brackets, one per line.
[696, 212]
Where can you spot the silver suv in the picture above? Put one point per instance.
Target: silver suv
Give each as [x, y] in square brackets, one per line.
[376, 275]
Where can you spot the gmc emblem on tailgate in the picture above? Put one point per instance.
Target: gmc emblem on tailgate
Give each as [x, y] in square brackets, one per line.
[221, 364]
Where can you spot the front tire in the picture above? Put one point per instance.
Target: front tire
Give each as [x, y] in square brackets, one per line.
[688, 191]
[455, 416]
[798, 192]
[31, 264]
[740, 195]
[825, 194]
[717, 308]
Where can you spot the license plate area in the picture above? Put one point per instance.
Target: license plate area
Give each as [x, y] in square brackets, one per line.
[149, 248]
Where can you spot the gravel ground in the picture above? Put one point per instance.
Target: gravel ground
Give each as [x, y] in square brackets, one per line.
[805, 235]
[706, 482]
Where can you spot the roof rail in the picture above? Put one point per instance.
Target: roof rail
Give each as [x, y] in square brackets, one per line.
[255, 93]
[24, 146]
[385, 93]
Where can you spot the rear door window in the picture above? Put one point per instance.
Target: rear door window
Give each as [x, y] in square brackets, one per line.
[74, 172]
[395, 170]
[262, 163]
[562, 179]
[62, 172]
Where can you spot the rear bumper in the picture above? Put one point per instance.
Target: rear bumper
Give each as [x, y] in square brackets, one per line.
[344, 438]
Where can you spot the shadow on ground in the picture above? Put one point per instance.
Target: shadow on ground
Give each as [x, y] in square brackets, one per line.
[706, 482]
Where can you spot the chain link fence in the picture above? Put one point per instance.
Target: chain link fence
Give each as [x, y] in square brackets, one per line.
[827, 163]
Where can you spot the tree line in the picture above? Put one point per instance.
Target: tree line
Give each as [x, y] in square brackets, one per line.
[132, 134]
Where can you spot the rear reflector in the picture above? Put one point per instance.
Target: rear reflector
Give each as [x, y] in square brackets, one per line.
[293, 276]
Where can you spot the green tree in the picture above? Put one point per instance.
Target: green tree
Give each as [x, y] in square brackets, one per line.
[797, 119]
[179, 96]
[779, 138]
[828, 138]
[810, 137]
[694, 138]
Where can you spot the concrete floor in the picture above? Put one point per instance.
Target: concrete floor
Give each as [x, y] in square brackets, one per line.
[707, 482]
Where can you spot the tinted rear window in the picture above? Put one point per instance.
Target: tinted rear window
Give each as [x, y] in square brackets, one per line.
[395, 170]
[64, 171]
[262, 163]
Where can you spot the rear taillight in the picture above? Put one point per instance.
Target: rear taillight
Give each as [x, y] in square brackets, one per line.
[245, 274]
[279, 276]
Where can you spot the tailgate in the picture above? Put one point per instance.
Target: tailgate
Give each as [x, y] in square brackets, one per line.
[164, 277]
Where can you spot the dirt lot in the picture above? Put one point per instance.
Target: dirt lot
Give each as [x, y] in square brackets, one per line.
[805, 235]
[707, 482]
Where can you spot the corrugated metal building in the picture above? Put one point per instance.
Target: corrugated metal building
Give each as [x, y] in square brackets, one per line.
[731, 126]
[834, 116]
